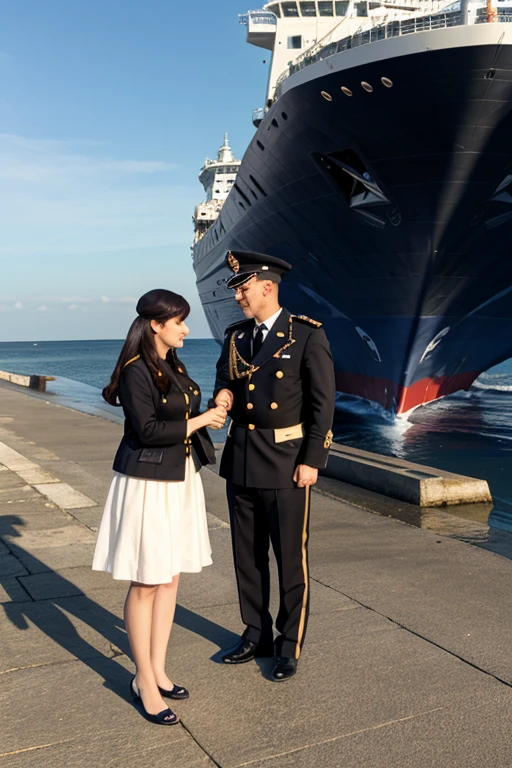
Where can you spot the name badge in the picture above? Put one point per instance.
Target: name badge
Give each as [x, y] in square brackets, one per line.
[287, 357]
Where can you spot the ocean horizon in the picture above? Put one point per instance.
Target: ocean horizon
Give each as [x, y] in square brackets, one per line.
[469, 432]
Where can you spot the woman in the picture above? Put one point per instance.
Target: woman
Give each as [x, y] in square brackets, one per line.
[154, 524]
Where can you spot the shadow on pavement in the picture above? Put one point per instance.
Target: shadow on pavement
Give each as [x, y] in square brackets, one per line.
[50, 615]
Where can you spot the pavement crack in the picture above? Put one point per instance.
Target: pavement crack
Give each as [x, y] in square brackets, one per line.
[419, 635]
[32, 749]
[24, 588]
[115, 651]
[342, 736]
[196, 741]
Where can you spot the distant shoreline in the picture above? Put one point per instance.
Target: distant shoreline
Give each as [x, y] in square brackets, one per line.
[74, 341]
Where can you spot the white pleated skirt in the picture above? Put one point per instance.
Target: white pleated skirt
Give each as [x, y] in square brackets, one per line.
[152, 530]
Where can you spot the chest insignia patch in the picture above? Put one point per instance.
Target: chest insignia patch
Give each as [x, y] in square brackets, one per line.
[286, 357]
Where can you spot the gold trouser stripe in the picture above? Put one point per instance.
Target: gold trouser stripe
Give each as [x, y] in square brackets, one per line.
[302, 622]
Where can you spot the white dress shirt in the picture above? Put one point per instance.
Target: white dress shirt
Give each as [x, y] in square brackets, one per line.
[268, 324]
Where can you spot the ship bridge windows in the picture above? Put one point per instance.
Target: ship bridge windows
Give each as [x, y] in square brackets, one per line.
[325, 8]
[290, 9]
[295, 41]
[362, 8]
[308, 8]
[275, 9]
[341, 7]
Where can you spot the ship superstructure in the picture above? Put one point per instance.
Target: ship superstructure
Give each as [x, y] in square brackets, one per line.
[217, 177]
[381, 168]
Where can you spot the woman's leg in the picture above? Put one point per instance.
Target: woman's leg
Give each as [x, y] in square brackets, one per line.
[138, 617]
[164, 606]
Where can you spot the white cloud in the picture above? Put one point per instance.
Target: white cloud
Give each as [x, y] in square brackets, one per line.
[123, 300]
[18, 305]
[42, 308]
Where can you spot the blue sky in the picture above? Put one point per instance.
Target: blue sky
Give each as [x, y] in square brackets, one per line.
[107, 112]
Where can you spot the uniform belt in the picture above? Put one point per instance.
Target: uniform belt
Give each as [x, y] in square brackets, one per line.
[280, 435]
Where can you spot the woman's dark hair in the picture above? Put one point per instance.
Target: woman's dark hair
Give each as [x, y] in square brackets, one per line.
[159, 305]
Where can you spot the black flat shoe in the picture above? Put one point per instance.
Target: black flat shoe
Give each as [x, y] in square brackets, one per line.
[165, 717]
[284, 669]
[245, 651]
[176, 692]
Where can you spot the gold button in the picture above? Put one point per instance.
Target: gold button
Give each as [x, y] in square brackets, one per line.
[180, 370]
[196, 391]
[279, 374]
[251, 426]
[250, 406]
[252, 386]
[274, 406]
[280, 334]
[164, 399]
[191, 388]
[160, 373]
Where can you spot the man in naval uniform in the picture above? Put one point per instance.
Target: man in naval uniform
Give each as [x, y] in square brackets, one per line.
[275, 375]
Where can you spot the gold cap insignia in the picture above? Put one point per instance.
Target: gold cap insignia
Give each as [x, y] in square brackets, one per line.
[233, 262]
[328, 439]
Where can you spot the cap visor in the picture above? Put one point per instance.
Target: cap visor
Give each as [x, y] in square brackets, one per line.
[239, 279]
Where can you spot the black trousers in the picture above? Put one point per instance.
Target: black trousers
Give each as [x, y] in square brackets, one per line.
[258, 517]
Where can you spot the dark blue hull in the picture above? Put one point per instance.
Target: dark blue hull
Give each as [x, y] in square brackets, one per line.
[395, 209]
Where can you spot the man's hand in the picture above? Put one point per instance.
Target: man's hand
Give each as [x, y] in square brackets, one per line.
[225, 398]
[305, 475]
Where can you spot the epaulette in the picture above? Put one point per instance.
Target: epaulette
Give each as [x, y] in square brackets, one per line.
[137, 357]
[308, 320]
[236, 325]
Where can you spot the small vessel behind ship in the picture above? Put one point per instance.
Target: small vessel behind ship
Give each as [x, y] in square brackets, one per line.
[381, 168]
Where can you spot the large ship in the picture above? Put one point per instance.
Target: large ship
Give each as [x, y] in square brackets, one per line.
[381, 168]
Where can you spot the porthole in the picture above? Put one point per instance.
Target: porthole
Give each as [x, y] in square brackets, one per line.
[327, 96]
[284, 115]
[260, 145]
[367, 87]
[387, 82]
[275, 123]
[346, 91]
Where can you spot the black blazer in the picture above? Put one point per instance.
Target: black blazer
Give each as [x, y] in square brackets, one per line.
[155, 444]
[289, 383]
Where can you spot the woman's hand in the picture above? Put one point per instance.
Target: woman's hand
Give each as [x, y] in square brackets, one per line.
[216, 417]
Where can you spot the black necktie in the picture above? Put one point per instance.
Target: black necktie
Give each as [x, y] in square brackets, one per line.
[258, 339]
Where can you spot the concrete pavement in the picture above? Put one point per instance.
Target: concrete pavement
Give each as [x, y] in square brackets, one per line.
[407, 660]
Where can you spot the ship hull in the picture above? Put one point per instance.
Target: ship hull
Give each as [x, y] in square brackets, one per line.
[394, 207]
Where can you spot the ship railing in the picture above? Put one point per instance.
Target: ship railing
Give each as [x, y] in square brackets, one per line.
[380, 32]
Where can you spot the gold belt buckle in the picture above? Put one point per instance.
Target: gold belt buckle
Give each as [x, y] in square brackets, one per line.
[288, 433]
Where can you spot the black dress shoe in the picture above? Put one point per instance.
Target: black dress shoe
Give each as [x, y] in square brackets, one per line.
[284, 669]
[176, 692]
[245, 651]
[166, 717]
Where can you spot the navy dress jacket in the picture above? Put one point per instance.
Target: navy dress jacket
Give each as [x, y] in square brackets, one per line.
[155, 445]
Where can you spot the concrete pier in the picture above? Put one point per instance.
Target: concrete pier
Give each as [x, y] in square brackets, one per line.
[407, 659]
[404, 480]
[35, 381]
